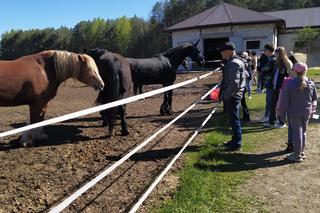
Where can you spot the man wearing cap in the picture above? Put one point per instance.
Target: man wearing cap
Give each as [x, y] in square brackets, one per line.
[232, 86]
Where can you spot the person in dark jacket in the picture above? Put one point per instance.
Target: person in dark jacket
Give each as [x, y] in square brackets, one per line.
[261, 63]
[268, 71]
[233, 85]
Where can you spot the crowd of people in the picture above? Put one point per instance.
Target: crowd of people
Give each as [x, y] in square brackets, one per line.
[291, 98]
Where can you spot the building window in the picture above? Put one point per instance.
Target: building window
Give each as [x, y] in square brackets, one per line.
[253, 45]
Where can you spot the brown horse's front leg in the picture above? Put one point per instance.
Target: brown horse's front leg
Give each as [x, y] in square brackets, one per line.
[37, 113]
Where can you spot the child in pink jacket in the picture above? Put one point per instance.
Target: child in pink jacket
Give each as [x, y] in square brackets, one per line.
[299, 101]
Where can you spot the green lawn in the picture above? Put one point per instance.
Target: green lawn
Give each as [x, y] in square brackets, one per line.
[314, 74]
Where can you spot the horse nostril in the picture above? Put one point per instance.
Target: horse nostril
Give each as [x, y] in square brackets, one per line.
[99, 87]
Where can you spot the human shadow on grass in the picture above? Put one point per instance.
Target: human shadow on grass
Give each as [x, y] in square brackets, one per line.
[238, 161]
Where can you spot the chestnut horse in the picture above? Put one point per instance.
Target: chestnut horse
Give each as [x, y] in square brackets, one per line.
[34, 80]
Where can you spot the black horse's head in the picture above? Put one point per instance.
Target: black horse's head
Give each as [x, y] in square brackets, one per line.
[194, 54]
[95, 53]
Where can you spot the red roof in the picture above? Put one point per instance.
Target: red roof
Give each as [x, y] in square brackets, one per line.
[222, 15]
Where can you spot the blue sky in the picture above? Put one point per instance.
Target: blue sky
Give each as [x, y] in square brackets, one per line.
[28, 14]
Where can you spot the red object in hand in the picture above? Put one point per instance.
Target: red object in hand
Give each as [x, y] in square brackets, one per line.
[214, 95]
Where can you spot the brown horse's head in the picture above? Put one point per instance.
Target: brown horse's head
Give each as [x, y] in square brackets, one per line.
[89, 73]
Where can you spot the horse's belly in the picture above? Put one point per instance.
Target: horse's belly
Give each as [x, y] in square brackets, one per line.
[148, 78]
[13, 96]
[5, 101]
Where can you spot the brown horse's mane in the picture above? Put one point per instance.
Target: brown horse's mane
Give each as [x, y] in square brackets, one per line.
[66, 64]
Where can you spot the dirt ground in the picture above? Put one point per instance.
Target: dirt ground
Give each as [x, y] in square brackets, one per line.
[282, 187]
[37, 178]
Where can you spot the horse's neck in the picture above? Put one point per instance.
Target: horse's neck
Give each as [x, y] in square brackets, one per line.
[176, 58]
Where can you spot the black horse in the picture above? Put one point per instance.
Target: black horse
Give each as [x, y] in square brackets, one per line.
[161, 69]
[138, 87]
[115, 71]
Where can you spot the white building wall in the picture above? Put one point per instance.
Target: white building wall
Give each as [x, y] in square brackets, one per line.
[237, 34]
[180, 37]
[287, 40]
[262, 32]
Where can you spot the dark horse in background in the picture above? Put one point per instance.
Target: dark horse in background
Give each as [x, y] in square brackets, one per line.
[115, 71]
[161, 69]
[34, 80]
[138, 88]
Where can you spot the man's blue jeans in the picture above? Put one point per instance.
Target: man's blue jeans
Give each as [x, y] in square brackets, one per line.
[268, 102]
[232, 107]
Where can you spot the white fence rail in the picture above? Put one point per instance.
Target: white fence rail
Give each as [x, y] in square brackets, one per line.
[109, 169]
[168, 167]
[101, 107]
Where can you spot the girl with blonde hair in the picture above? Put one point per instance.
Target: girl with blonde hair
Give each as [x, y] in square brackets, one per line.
[299, 101]
[282, 67]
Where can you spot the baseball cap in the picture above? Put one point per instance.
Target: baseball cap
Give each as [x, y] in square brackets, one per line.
[227, 46]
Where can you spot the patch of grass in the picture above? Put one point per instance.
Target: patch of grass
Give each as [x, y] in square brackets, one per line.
[314, 74]
[211, 177]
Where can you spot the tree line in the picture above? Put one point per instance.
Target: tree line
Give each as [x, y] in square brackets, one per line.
[132, 37]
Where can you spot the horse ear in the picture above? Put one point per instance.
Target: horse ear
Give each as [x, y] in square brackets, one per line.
[196, 44]
[81, 58]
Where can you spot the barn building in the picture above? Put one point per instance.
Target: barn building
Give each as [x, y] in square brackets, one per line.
[247, 29]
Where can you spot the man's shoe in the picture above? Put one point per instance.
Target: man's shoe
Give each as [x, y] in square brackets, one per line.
[303, 155]
[233, 148]
[228, 143]
[294, 158]
[280, 126]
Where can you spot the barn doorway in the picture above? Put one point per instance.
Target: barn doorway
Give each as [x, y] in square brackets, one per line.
[211, 50]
